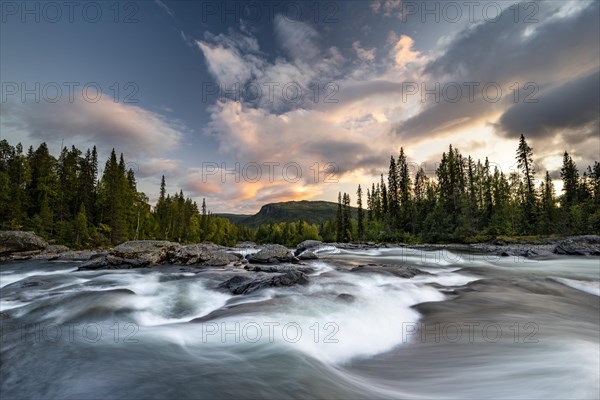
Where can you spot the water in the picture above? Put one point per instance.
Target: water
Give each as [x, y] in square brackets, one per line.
[475, 327]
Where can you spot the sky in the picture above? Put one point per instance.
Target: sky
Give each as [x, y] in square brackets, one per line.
[248, 103]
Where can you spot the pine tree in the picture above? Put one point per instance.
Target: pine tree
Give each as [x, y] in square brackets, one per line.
[339, 220]
[525, 163]
[346, 219]
[404, 184]
[361, 227]
[393, 205]
[548, 205]
[570, 177]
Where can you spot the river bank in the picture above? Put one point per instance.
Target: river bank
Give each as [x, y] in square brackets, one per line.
[16, 246]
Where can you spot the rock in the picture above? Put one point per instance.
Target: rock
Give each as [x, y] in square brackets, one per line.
[199, 254]
[272, 253]
[56, 249]
[346, 298]
[245, 285]
[307, 244]
[579, 246]
[307, 255]
[112, 262]
[146, 251]
[17, 242]
[237, 264]
[277, 268]
[246, 245]
[401, 271]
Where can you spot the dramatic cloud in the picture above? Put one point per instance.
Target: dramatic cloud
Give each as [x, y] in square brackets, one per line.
[395, 95]
[571, 109]
[499, 53]
[105, 123]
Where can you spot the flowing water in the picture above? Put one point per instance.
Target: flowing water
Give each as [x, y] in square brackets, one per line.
[476, 326]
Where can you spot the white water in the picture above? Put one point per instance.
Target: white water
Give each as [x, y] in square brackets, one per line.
[319, 346]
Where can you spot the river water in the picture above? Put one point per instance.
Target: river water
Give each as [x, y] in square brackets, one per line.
[476, 326]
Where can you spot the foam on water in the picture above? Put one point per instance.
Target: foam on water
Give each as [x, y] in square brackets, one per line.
[591, 287]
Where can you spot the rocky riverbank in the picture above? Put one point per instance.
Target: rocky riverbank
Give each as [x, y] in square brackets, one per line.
[17, 245]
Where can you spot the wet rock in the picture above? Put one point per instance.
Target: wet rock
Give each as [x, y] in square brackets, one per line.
[245, 285]
[18, 242]
[246, 245]
[272, 253]
[401, 271]
[346, 298]
[307, 244]
[148, 251]
[579, 246]
[278, 268]
[307, 255]
[112, 262]
[200, 254]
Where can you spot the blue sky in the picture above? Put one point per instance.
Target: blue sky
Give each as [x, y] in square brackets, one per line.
[160, 64]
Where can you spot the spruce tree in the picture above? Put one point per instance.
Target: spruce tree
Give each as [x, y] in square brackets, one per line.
[360, 215]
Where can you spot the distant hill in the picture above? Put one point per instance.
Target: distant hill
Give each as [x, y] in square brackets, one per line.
[313, 212]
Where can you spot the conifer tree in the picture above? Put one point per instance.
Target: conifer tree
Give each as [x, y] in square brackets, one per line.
[360, 216]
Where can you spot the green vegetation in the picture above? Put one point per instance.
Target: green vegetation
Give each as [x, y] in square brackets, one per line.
[313, 212]
[63, 199]
[468, 202]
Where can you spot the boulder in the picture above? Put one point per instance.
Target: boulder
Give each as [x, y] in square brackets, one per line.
[274, 268]
[18, 242]
[401, 271]
[579, 246]
[107, 261]
[307, 255]
[346, 298]
[146, 251]
[272, 253]
[244, 285]
[307, 244]
[200, 254]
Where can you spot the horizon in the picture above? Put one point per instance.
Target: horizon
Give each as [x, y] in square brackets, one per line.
[209, 96]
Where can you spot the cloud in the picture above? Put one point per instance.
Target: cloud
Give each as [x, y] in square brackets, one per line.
[371, 118]
[571, 108]
[562, 47]
[363, 54]
[387, 7]
[107, 124]
[164, 7]
[403, 51]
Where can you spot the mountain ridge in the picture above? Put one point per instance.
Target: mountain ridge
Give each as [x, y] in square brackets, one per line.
[313, 212]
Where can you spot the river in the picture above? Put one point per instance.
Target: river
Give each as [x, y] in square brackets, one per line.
[476, 326]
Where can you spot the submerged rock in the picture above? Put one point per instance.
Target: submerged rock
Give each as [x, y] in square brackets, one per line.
[272, 253]
[240, 284]
[278, 268]
[306, 245]
[346, 298]
[401, 271]
[307, 255]
[108, 261]
[12, 242]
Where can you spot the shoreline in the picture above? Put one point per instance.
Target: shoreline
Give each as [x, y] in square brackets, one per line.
[21, 246]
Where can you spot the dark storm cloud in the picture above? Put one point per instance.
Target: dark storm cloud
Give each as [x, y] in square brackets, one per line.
[573, 106]
[563, 45]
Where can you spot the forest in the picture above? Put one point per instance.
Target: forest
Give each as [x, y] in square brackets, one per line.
[469, 202]
[66, 200]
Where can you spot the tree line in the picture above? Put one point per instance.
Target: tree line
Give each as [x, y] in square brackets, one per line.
[64, 199]
[468, 201]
